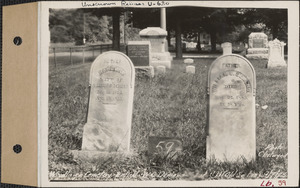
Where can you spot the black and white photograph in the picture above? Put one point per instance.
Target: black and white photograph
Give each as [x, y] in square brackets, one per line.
[167, 91]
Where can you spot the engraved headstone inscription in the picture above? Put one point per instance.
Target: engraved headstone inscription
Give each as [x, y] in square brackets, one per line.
[139, 52]
[231, 89]
[110, 104]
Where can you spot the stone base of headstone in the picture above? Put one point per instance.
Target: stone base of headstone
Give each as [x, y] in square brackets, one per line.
[161, 59]
[276, 63]
[144, 71]
[190, 69]
[257, 56]
[85, 155]
[166, 64]
[188, 61]
[228, 155]
[169, 56]
[160, 70]
[257, 53]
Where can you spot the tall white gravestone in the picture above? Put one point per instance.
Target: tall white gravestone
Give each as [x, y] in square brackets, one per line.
[231, 89]
[276, 54]
[108, 124]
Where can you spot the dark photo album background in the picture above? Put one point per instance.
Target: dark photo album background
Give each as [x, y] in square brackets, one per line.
[129, 100]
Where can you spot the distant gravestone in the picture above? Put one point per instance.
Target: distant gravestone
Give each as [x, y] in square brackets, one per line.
[258, 46]
[258, 40]
[227, 48]
[161, 70]
[159, 53]
[188, 61]
[110, 104]
[231, 132]
[190, 69]
[139, 52]
[276, 54]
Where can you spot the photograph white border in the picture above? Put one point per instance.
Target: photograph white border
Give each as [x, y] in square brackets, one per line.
[293, 94]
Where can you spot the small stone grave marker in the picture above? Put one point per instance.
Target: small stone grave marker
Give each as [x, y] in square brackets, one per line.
[188, 61]
[139, 52]
[160, 69]
[231, 89]
[165, 146]
[190, 69]
[108, 124]
[227, 48]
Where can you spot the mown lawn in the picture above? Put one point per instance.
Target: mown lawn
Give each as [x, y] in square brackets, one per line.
[171, 105]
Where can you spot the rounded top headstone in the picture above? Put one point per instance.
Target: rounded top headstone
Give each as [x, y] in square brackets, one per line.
[234, 62]
[188, 61]
[113, 61]
[153, 31]
[226, 44]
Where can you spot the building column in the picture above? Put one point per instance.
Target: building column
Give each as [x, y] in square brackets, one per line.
[163, 25]
[163, 19]
[178, 39]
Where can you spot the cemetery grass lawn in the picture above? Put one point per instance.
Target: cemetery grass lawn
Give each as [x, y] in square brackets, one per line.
[172, 105]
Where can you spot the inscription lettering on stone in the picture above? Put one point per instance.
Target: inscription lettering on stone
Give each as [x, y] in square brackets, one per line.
[139, 52]
[258, 43]
[231, 134]
[110, 104]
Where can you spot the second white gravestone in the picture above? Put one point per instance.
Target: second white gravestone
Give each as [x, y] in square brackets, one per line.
[231, 131]
[108, 124]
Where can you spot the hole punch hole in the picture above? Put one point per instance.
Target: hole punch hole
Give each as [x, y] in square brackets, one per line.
[17, 148]
[17, 41]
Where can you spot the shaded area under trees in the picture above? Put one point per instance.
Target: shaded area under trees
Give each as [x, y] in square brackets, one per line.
[223, 24]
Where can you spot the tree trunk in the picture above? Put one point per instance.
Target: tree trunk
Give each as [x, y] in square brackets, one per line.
[213, 38]
[116, 31]
[169, 38]
[198, 42]
[178, 39]
[275, 32]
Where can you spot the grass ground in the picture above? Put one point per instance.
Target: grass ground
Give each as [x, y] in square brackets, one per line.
[171, 105]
